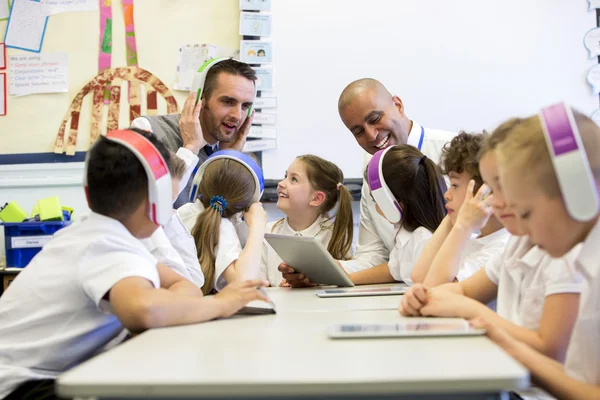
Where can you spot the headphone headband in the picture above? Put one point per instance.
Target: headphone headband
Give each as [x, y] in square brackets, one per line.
[572, 167]
[379, 189]
[157, 171]
[235, 155]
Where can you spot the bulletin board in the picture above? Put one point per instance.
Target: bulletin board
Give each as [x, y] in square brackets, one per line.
[32, 122]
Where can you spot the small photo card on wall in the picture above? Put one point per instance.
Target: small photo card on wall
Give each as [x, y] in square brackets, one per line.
[256, 52]
[255, 5]
[255, 24]
[264, 78]
[2, 94]
[2, 56]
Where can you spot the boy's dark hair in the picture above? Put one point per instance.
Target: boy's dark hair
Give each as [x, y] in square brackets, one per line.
[232, 67]
[462, 155]
[116, 180]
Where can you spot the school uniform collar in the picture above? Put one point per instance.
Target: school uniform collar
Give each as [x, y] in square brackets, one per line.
[311, 231]
[587, 260]
[415, 135]
[533, 257]
[499, 234]
[106, 221]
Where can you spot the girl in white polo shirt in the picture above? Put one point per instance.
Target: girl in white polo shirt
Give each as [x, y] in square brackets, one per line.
[408, 189]
[226, 186]
[536, 296]
[563, 219]
[311, 189]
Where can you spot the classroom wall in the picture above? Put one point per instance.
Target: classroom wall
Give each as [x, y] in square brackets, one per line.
[461, 64]
[161, 27]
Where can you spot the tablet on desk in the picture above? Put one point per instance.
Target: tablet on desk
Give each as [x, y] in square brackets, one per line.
[404, 329]
[359, 292]
[309, 257]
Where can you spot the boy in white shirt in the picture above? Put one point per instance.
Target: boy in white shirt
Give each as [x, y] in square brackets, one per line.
[173, 245]
[563, 219]
[536, 296]
[95, 277]
[470, 235]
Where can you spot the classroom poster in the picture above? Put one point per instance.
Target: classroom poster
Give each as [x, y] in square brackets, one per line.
[255, 5]
[53, 7]
[2, 94]
[4, 10]
[41, 73]
[256, 52]
[264, 78]
[191, 57]
[26, 26]
[255, 24]
[2, 56]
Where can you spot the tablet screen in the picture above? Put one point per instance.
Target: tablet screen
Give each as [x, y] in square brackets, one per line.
[416, 326]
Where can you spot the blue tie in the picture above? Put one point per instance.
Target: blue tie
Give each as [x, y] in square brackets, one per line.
[208, 150]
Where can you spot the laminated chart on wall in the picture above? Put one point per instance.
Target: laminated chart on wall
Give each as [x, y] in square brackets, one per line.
[255, 24]
[26, 26]
[39, 73]
[53, 7]
[2, 93]
[2, 56]
[4, 10]
[191, 57]
[255, 5]
[96, 87]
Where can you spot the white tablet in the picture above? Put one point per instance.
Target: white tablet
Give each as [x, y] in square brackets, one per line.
[309, 257]
[359, 292]
[418, 328]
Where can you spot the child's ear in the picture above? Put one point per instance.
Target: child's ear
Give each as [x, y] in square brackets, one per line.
[318, 199]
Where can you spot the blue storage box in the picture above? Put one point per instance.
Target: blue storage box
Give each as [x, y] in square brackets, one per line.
[24, 240]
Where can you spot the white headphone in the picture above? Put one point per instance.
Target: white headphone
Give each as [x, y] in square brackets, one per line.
[570, 162]
[157, 171]
[238, 156]
[379, 189]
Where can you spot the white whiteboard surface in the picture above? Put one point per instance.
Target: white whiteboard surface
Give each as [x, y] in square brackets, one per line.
[461, 64]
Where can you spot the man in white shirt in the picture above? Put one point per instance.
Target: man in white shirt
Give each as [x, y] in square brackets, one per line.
[377, 120]
[219, 121]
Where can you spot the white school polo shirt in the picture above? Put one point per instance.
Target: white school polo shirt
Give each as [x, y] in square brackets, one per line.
[583, 353]
[53, 316]
[174, 247]
[525, 276]
[479, 251]
[322, 229]
[407, 249]
[376, 234]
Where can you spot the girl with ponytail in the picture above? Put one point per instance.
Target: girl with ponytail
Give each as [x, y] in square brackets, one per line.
[312, 188]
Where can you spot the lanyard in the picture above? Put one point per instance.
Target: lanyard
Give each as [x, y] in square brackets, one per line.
[421, 138]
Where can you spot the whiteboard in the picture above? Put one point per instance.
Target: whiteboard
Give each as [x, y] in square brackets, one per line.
[460, 64]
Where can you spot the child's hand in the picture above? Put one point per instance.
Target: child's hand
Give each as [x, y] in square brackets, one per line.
[413, 301]
[442, 303]
[495, 333]
[475, 210]
[256, 215]
[293, 278]
[236, 295]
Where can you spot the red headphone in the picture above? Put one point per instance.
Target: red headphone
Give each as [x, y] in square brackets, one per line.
[157, 171]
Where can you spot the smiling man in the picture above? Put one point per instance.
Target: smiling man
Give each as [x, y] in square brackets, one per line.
[221, 118]
[377, 120]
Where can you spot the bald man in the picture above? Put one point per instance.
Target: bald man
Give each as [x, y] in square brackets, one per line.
[377, 120]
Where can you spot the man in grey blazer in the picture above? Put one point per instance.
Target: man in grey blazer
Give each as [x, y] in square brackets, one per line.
[220, 119]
